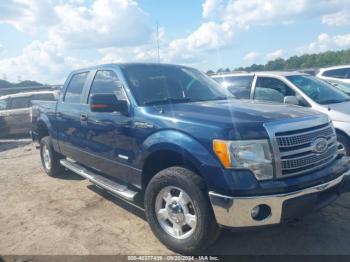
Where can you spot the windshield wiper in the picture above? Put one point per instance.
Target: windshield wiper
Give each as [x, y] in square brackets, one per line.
[167, 100]
[221, 98]
[216, 98]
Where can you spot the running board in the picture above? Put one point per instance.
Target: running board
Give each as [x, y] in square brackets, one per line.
[110, 185]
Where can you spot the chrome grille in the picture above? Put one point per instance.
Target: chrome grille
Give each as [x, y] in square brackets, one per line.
[307, 160]
[294, 148]
[299, 139]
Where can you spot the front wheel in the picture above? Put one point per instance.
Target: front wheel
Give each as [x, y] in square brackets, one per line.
[179, 211]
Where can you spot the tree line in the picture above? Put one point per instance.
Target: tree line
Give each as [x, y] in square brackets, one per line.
[307, 61]
[26, 83]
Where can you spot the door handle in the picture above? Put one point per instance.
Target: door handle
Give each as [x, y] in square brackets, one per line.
[83, 118]
[59, 114]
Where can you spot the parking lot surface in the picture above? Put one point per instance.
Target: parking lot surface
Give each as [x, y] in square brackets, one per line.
[40, 215]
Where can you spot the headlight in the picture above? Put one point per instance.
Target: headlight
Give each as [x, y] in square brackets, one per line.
[254, 155]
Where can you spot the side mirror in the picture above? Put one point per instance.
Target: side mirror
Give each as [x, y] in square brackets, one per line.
[291, 100]
[108, 103]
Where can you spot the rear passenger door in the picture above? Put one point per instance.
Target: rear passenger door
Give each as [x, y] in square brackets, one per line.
[271, 89]
[68, 117]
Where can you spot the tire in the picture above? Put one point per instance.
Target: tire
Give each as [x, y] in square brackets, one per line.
[343, 144]
[196, 236]
[50, 159]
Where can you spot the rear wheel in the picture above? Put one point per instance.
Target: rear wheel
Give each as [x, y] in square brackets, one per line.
[50, 159]
[179, 211]
[343, 145]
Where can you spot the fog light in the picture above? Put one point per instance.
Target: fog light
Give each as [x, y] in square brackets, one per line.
[261, 212]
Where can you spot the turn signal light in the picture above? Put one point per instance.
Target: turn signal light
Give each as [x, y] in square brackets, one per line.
[222, 152]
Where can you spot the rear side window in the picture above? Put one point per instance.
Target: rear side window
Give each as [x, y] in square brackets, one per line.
[44, 97]
[239, 86]
[75, 88]
[338, 73]
[20, 102]
[107, 82]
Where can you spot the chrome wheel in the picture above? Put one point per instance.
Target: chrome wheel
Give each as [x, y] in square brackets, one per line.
[341, 149]
[175, 212]
[46, 157]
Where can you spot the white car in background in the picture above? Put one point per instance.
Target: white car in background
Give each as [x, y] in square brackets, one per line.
[337, 73]
[298, 89]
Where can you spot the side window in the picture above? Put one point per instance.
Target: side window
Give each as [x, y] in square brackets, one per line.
[3, 104]
[239, 86]
[75, 88]
[338, 73]
[107, 82]
[20, 102]
[44, 97]
[272, 89]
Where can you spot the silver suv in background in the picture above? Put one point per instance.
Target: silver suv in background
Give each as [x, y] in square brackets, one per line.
[297, 89]
[339, 73]
[15, 111]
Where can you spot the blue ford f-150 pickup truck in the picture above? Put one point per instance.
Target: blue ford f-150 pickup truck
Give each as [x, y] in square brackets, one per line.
[170, 138]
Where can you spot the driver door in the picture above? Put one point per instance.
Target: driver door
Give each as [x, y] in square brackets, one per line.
[109, 139]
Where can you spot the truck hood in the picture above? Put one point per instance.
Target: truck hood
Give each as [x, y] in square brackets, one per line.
[340, 111]
[238, 118]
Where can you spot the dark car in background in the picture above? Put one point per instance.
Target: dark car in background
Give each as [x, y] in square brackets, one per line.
[15, 111]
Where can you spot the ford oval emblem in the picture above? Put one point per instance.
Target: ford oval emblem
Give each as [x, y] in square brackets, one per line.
[319, 145]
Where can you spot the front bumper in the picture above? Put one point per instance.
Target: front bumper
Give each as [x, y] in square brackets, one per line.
[237, 211]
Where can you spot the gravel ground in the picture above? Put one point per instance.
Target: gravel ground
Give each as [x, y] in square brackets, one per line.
[40, 215]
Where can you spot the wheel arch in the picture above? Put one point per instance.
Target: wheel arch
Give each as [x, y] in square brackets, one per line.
[168, 148]
[339, 131]
[165, 158]
[42, 129]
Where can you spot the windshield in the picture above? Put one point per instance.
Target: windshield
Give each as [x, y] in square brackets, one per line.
[161, 84]
[318, 90]
[3, 104]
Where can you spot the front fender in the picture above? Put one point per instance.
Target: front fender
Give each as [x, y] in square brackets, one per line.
[193, 151]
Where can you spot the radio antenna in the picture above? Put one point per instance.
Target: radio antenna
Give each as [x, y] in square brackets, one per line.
[158, 42]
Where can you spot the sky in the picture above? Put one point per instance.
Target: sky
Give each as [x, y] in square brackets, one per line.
[43, 40]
